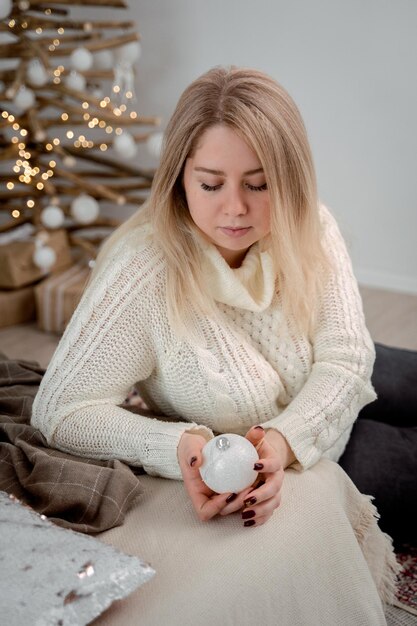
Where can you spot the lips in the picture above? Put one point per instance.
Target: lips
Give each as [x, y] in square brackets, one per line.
[233, 231]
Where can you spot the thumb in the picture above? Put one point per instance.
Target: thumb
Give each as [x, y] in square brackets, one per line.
[255, 435]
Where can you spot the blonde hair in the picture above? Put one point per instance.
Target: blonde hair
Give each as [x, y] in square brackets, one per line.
[265, 116]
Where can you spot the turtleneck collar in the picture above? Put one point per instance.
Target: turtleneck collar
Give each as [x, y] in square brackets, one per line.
[250, 286]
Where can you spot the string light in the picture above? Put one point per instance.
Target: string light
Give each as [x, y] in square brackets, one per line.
[86, 116]
[30, 204]
[4, 114]
[56, 80]
[40, 186]
[56, 42]
[11, 118]
[56, 141]
[103, 104]
[64, 117]
[61, 31]
[49, 146]
[118, 131]
[12, 23]
[39, 30]
[10, 185]
[85, 105]
[70, 134]
[102, 124]
[109, 129]
[133, 115]
[48, 11]
[103, 147]
[16, 169]
[116, 88]
[123, 107]
[16, 213]
[117, 111]
[16, 126]
[23, 132]
[52, 163]
[24, 24]
[129, 95]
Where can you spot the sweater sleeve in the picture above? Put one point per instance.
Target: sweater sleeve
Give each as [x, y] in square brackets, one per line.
[106, 348]
[339, 385]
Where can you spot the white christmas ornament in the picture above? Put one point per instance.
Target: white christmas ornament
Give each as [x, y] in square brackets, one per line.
[128, 53]
[52, 217]
[5, 8]
[44, 257]
[125, 145]
[24, 99]
[75, 81]
[85, 209]
[81, 59]
[154, 144]
[36, 73]
[228, 462]
[103, 60]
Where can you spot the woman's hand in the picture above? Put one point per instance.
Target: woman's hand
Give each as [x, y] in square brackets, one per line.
[261, 499]
[206, 502]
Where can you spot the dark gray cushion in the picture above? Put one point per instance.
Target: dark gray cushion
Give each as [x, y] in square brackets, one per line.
[381, 455]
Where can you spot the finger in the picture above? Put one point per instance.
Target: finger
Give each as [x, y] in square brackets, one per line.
[237, 503]
[272, 485]
[206, 508]
[255, 435]
[268, 465]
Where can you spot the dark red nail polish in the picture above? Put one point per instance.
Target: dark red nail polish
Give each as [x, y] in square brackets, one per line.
[260, 427]
[250, 501]
[231, 497]
[248, 514]
[250, 522]
[258, 466]
[193, 460]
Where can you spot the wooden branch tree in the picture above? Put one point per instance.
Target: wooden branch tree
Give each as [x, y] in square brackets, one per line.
[62, 119]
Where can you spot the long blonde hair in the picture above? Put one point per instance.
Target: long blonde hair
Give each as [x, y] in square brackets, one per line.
[263, 113]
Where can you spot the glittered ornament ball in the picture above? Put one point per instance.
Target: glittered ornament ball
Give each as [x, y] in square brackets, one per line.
[125, 145]
[36, 73]
[52, 216]
[85, 209]
[5, 8]
[44, 257]
[24, 99]
[228, 462]
[81, 59]
[75, 80]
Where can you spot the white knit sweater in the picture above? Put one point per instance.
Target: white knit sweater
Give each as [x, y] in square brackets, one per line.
[249, 368]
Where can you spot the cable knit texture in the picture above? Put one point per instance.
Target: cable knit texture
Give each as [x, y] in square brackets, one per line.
[247, 367]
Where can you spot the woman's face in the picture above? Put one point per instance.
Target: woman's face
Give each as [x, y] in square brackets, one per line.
[226, 193]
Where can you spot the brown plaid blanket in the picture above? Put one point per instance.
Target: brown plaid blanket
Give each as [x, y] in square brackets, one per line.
[86, 495]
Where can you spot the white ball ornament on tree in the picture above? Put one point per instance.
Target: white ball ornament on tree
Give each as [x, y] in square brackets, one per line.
[81, 59]
[154, 144]
[228, 462]
[52, 217]
[125, 145]
[85, 209]
[5, 8]
[24, 99]
[44, 257]
[103, 60]
[75, 80]
[128, 53]
[36, 73]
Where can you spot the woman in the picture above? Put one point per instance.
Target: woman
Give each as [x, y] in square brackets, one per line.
[230, 300]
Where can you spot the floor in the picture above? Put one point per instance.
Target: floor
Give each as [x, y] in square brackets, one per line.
[391, 319]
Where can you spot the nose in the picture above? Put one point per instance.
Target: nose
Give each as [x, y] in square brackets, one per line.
[235, 203]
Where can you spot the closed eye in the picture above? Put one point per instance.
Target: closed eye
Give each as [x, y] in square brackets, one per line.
[251, 187]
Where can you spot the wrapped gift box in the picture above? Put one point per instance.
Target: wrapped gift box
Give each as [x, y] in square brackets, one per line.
[17, 306]
[57, 297]
[17, 268]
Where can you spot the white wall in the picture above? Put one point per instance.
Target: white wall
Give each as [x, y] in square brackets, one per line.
[350, 66]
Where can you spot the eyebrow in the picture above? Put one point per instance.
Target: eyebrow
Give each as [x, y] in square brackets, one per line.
[221, 173]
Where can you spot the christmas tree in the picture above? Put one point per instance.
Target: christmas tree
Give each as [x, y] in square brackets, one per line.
[67, 125]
